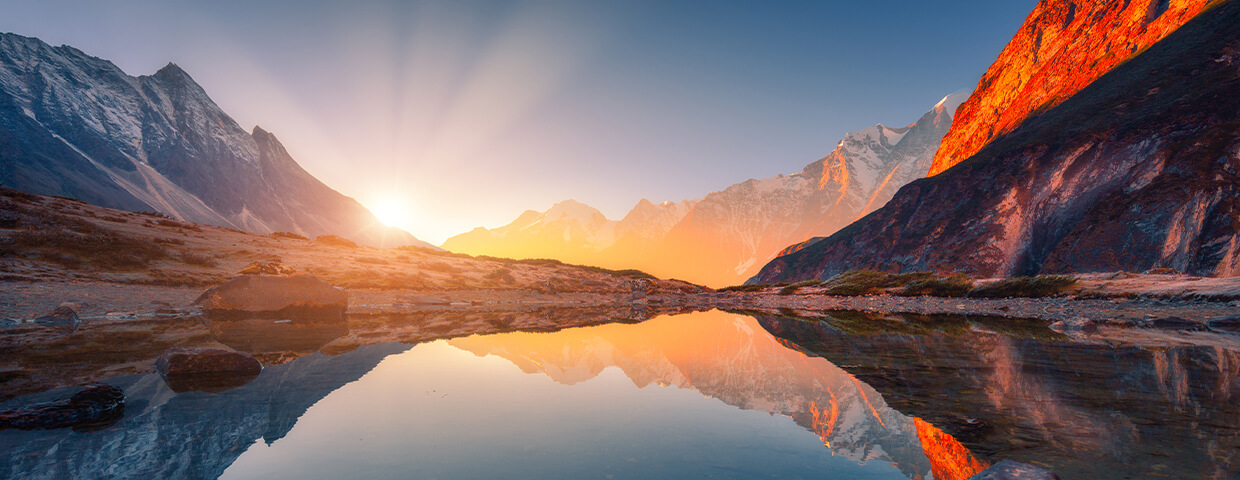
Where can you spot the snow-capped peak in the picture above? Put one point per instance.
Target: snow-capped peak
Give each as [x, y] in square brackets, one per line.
[952, 102]
[572, 210]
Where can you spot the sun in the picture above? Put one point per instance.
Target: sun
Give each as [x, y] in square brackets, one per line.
[390, 211]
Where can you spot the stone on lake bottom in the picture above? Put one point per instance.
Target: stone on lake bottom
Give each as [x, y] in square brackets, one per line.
[60, 317]
[206, 369]
[96, 406]
[1229, 323]
[1075, 324]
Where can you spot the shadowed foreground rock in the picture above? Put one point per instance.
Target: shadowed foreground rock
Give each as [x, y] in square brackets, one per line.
[95, 406]
[1009, 470]
[60, 317]
[206, 369]
[300, 296]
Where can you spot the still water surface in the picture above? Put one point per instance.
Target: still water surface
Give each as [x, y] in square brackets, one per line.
[705, 395]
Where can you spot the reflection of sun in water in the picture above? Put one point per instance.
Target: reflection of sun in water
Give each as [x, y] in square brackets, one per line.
[391, 211]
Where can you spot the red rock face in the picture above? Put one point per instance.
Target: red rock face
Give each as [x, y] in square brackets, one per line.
[1139, 170]
[1063, 46]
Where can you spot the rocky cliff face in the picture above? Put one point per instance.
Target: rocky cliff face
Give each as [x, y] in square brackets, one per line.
[78, 126]
[1141, 169]
[1063, 46]
[726, 236]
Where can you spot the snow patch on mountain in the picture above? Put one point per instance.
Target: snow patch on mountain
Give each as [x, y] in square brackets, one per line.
[78, 126]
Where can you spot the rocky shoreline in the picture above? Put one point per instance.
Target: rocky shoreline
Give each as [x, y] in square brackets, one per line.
[24, 302]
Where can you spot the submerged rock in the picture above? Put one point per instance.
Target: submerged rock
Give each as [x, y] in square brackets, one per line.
[1229, 323]
[427, 301]
[186, 361]
[1175, 323]
[300, 296]
[60, 317]
[1009, 470]
[1075, 324]
[95, 406]
[206, 369]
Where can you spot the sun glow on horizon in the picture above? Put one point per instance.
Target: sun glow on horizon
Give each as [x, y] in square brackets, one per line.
[392, 211]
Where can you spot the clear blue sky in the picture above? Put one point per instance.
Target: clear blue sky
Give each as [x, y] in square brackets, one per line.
[469, 112]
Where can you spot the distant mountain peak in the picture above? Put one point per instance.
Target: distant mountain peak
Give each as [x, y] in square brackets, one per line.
[723, 238]
[951, 103]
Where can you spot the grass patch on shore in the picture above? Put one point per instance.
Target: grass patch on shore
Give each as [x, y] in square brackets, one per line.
[955, 285]
[868, 282]
[44, 235]
[750, 288]
[1025, 287]
[794, 288]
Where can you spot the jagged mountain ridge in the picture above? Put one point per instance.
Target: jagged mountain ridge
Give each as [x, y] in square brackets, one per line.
[1139, 170]
[1063, 46]
[724, 237]
[78, 126]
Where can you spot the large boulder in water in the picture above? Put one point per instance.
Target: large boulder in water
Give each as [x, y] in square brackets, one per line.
[206, 369]
[298, 296]
[95, 406]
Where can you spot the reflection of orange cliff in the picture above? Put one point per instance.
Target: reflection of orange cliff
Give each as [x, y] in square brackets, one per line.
[949, 460]
[731, 358]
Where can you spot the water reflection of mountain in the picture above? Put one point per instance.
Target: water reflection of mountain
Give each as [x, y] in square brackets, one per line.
[731, 358]
[186, 436]
[1009, 390]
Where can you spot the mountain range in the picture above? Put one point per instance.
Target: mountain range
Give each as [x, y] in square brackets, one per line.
[1140, 169]
[732, 358]
[77, 126]
[726, 236]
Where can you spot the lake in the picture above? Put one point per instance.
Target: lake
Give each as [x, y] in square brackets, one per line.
[700, 395]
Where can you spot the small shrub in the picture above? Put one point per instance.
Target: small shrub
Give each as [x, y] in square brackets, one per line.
[153, 214]
[956, 285]
[69, 199]
[440, 267]
[271, 266]
[869, 282]
[177, 224]
[794, 288]
[199, 260]
[335, 241]
[291, 235]
[749, 288]
[541, 261]
[1026, 287]
[502, 275]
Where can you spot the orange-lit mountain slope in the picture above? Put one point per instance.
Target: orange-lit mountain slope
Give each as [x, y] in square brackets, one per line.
[1138, 170]
[1063, 46]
